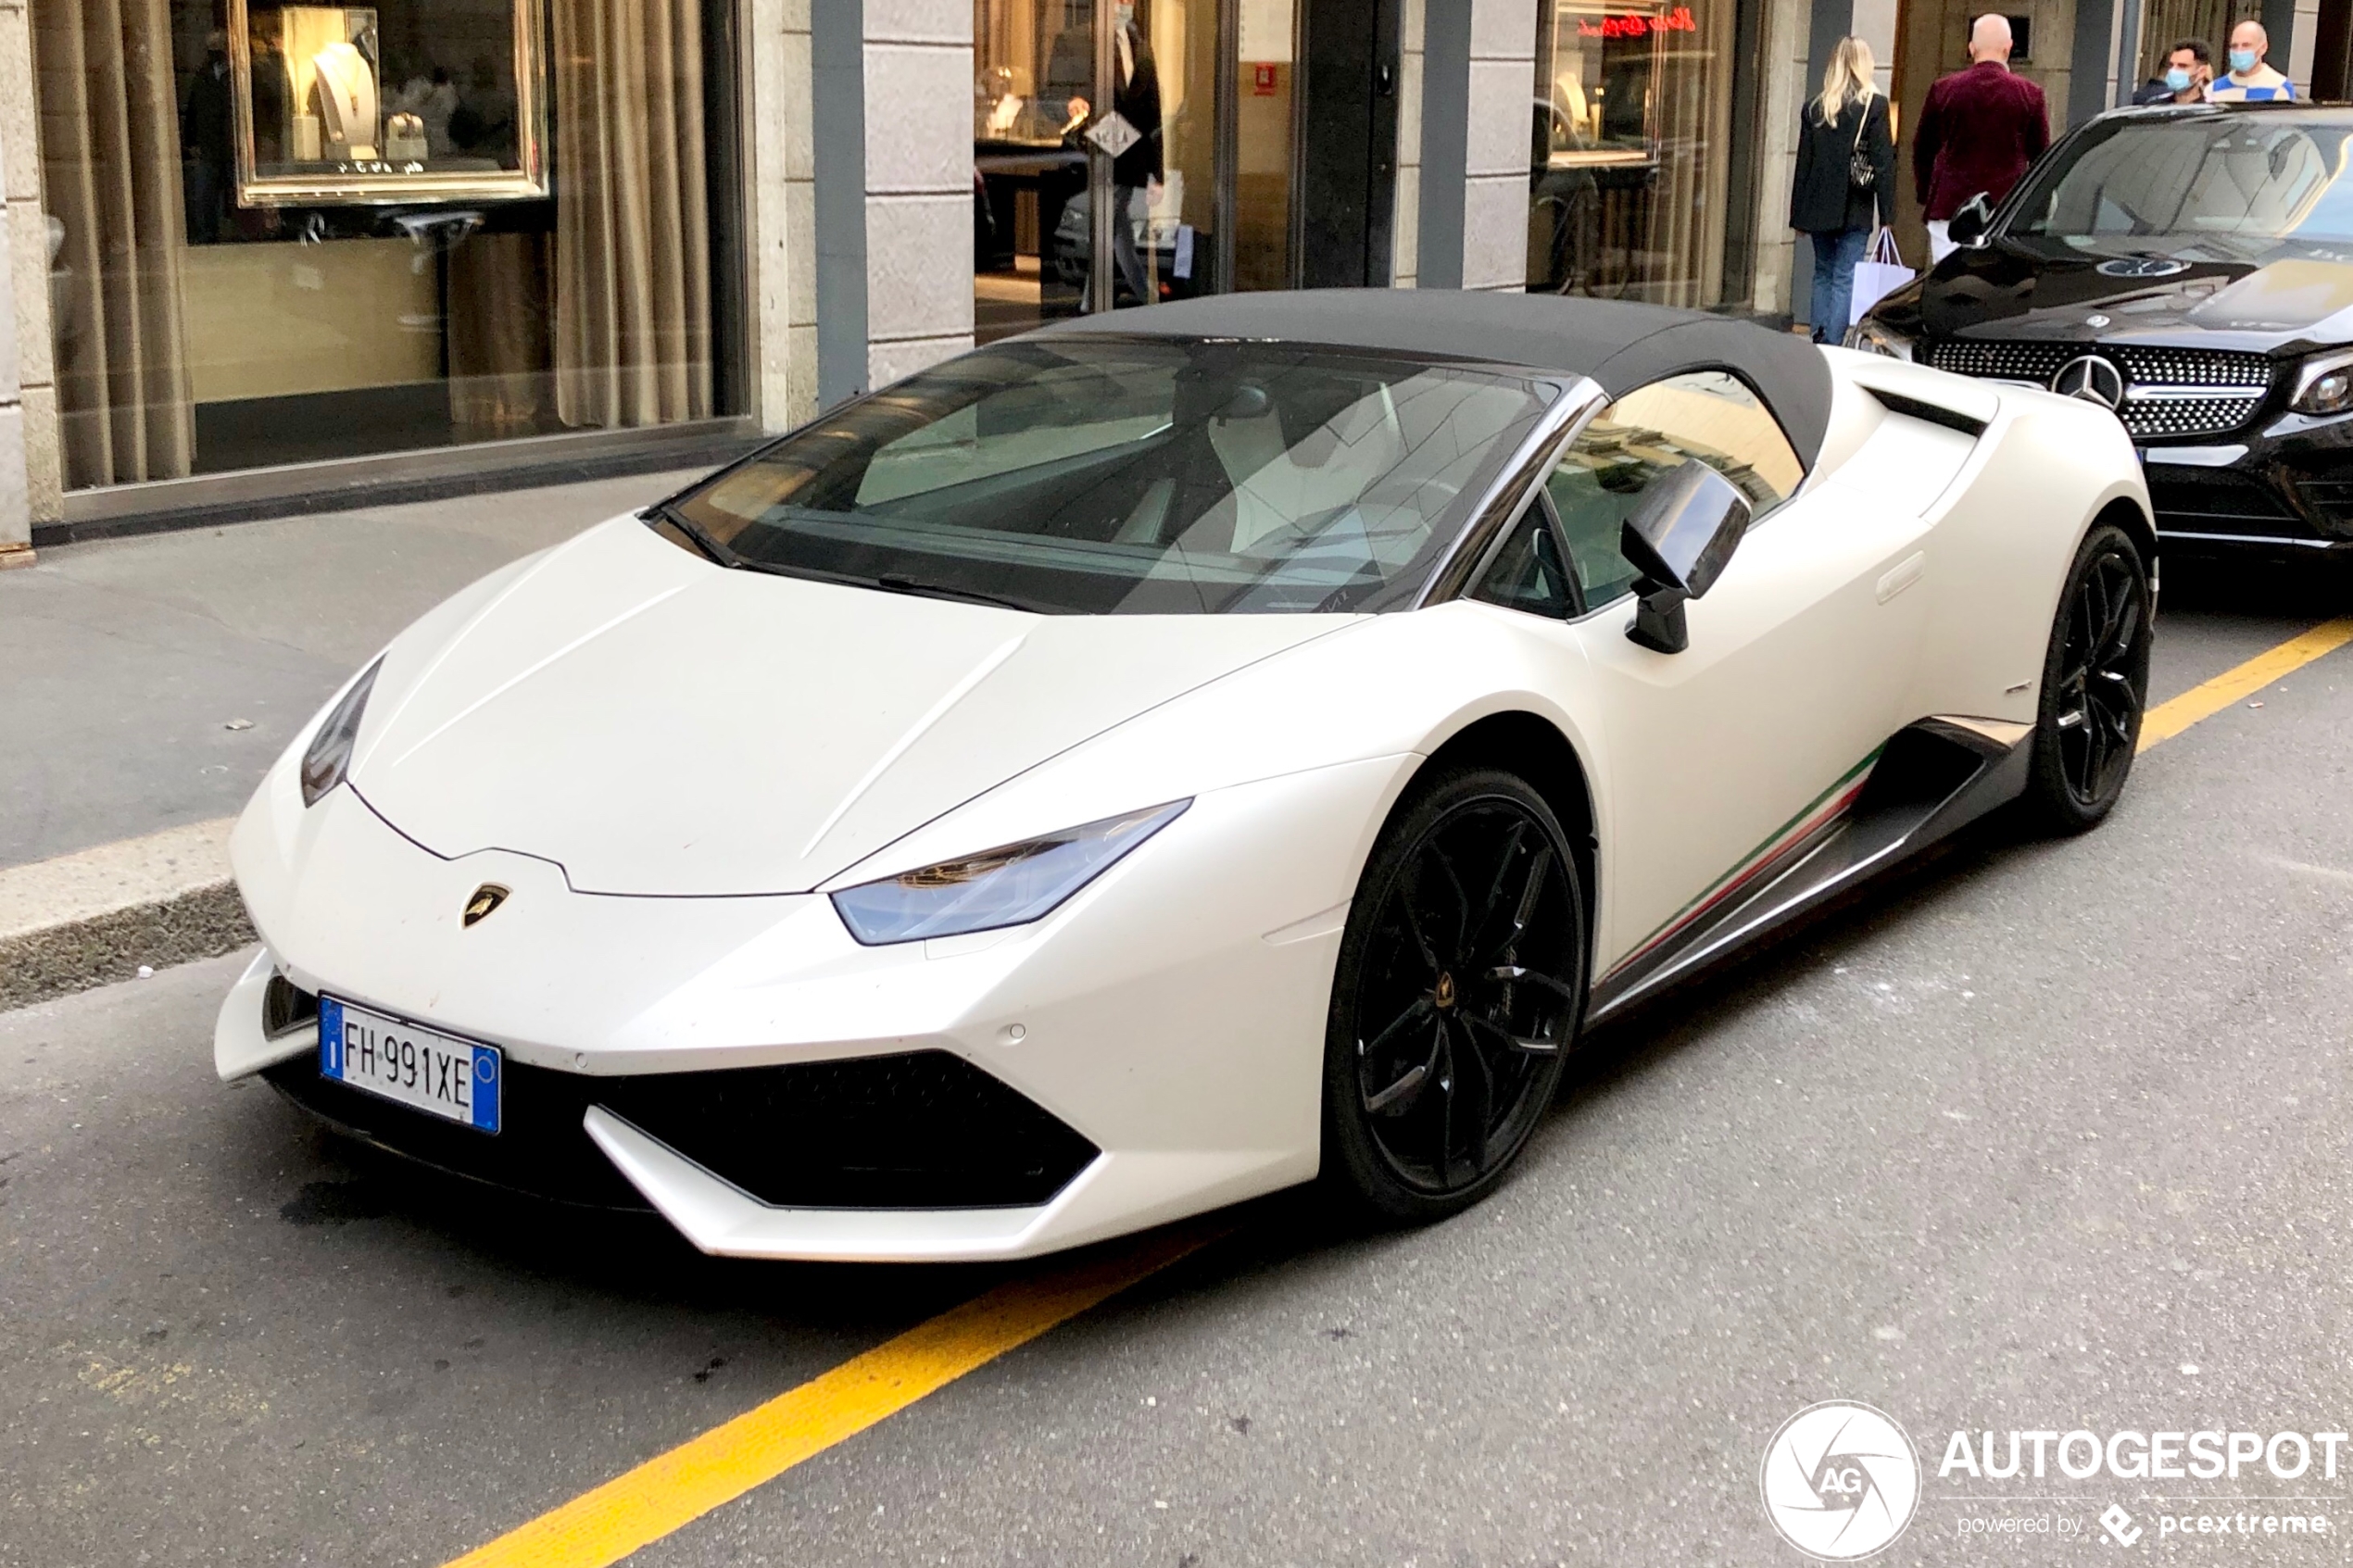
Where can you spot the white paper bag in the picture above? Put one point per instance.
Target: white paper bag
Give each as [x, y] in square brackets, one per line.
[1879, 273]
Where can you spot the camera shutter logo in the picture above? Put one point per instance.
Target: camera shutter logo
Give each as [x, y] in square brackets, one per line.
[1841, 1481]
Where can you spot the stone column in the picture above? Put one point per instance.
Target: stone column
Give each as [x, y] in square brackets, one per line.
[780, 195]
[1404, 267]
[28, 472]
[1503, 73]
[919, 185]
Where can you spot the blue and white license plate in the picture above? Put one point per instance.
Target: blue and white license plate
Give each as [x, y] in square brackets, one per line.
[423, 1068]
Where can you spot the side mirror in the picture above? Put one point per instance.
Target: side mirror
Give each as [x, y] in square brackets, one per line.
[1969, 225]
[1681, 537]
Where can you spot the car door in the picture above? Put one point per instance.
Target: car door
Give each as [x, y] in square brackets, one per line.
[1800, 658]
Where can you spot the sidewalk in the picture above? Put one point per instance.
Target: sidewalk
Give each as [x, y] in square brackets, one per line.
[146, 683]
[124, 663]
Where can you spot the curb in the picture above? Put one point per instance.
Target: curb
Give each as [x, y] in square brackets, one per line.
[97, 916]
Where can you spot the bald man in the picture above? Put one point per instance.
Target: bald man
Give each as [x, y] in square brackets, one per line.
[1980, 130]
[2251, 78]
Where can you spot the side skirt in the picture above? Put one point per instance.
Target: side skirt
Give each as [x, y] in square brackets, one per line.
[1930, 780]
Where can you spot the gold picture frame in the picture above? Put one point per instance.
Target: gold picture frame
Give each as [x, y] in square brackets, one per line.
[316, 48]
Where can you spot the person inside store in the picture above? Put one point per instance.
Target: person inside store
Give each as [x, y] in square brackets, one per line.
[206, 180]
[2188, 70]
[2251, 78]
[1135, 173]
[1978, 131]
[1845, 184]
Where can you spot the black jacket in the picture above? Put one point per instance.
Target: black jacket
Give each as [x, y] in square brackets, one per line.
[1139, 103]
[1822, 200]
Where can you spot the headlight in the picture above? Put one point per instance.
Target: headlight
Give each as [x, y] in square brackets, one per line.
[329, 758]
[1010, 885]
[2325, 385]
[1873, 338]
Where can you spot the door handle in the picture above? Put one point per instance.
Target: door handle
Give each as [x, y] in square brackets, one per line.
[1903, 575]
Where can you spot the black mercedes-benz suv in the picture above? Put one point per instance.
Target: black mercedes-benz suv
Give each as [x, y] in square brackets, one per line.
[2192, 268]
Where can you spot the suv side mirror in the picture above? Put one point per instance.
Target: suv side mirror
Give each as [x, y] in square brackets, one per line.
[1969, 225]
[1681, 537]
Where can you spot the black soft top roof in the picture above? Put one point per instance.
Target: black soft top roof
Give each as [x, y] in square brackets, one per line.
[1621, 346]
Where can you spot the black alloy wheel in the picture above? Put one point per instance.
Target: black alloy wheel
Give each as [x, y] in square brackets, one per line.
[2095, 685]
[1460, 986]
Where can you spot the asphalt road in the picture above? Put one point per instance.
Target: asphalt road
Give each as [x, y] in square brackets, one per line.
[2042, 1135]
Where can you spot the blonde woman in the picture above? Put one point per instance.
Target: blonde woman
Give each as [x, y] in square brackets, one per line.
[1845, 182]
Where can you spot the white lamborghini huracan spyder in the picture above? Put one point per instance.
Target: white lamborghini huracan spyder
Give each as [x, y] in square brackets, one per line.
[1173, 756]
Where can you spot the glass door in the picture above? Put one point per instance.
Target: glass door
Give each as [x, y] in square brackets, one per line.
[1104, 138]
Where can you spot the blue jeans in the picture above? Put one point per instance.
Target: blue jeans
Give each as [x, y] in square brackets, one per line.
[1835, 256]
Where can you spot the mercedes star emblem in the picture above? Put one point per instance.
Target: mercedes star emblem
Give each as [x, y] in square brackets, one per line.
[2141, 266]
[486, 899]
[2095, 322]
[2093, 378]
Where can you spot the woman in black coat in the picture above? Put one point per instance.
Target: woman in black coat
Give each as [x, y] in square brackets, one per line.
[1846, 126]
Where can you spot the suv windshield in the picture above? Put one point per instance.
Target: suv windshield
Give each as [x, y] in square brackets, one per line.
[2237, 186]
[1087, 474]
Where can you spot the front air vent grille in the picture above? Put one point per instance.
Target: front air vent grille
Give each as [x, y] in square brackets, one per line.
[2173, 418]
[2144, 369]
[913, 1130]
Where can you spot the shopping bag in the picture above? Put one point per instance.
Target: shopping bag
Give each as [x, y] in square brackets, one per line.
[1879, 273]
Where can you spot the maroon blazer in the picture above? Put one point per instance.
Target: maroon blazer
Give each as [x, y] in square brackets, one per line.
[1981, 129]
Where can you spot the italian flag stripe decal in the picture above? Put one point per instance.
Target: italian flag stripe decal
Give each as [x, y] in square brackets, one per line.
[1832, 803]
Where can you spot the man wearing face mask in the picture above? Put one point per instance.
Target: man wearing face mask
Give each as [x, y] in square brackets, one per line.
[2250, 79]
[1135, 172]
[2189, 68]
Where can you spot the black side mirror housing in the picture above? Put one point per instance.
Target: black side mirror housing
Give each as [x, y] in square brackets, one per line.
[1969, 225]
[1681, 537]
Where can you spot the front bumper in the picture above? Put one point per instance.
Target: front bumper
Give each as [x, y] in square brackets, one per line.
[2284, 487]
[1151, 1049]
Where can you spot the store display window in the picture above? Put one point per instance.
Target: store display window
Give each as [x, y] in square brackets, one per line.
[1630, 149]
[285, 233]
[325, 116]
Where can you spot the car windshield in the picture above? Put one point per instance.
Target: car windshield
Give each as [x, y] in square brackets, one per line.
[1095, 474]
[2237, 186]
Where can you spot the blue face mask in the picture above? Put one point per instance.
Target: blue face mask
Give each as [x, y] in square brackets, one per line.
[2242, 61]
[2178, 79]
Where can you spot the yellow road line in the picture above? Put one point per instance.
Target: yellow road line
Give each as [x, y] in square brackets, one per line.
[642, 1505]
[2170, 718]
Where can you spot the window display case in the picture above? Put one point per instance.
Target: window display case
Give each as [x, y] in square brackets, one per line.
[329, 113]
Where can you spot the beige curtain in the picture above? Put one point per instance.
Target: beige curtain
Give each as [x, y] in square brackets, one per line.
[110, 175]
[498, 348]
[1694, 88]
[632, 236]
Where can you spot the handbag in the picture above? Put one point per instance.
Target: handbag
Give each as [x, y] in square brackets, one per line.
[1879, 273]
[1859, 172]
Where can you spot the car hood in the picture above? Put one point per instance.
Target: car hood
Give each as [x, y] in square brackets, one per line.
[2044, 291]
[656, 724]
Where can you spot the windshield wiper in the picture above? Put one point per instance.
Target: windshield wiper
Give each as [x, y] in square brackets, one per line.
[888, 581]
[898, 583]
[695, 532]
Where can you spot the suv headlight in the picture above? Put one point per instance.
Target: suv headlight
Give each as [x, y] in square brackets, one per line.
[2324, 385]
[1873, 338]
[1012, 884]
[329, 758]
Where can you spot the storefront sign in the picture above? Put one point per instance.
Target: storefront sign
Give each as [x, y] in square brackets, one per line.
[1636, 24]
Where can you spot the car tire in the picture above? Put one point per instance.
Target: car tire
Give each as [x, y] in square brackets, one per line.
[2096, 675]
[1459, 989]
